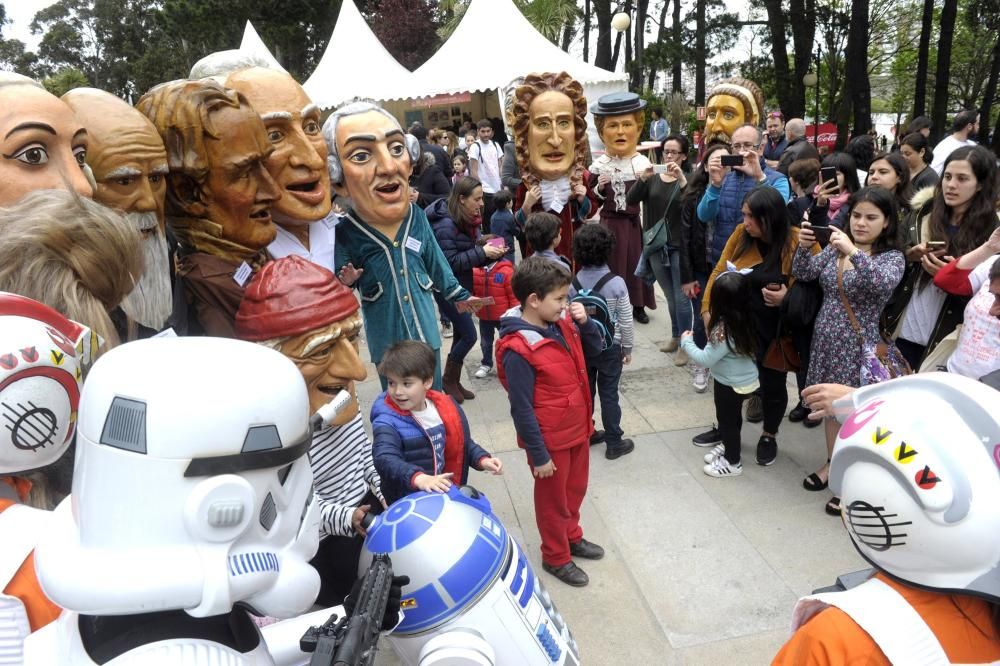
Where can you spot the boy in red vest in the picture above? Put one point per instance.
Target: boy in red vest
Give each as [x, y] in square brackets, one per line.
[421, 438]
[493, 281]
[542, 357]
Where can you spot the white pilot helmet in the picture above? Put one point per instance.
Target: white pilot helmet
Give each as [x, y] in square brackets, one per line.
[192, 488]
[917, 468]
[41, 354]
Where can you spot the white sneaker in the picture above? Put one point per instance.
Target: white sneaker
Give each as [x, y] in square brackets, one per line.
[716, 451]
[720, 467]
[446, 331]
[483, 372]
[701, 378]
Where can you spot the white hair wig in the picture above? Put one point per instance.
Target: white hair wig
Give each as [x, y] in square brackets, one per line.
[221, 64]
[353, 109]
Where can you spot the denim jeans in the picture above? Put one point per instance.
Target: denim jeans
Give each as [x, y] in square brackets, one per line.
[487, 330]
[678, 305]
[464, 331]
[604, 373]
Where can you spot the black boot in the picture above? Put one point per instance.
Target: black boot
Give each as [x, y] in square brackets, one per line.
[449, 381]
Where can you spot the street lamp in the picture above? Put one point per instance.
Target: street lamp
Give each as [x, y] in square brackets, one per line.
[810, 80]
[621, 21]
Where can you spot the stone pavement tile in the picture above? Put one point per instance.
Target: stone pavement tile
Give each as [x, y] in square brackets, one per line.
[807, 547]
[755, 650]
[697, 571]
[665, 399]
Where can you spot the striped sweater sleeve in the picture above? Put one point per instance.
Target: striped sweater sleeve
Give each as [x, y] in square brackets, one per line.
[624, 326]
[341, 459]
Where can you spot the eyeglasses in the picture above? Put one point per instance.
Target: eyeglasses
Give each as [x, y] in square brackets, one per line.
[745, 146]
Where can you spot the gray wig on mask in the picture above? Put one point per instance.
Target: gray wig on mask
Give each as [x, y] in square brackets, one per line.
[221, 64]
[330, 134]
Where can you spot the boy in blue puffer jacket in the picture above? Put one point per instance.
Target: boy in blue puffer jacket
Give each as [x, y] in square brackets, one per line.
[421, 436]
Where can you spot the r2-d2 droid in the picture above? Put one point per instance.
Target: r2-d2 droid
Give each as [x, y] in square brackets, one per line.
[473, 598]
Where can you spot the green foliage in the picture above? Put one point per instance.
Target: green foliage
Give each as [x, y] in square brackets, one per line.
[65, 80]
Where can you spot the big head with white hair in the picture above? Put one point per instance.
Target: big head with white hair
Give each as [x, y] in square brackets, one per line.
[370, 160]
[129, 164]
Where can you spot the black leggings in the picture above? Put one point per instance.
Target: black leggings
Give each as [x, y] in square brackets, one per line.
[729, 415]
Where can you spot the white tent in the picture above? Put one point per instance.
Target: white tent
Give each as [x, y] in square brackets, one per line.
[254, 45]
[355, 64]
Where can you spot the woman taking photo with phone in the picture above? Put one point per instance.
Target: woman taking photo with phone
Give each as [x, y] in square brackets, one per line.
[659, 189]
[828, 206]
[762, 248]
[857, 271]
[962, 216]
[456, 222]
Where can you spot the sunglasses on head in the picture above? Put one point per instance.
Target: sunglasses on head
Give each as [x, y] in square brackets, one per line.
[775, 114]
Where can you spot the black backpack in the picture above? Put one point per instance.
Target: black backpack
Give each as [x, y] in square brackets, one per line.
[597, 306]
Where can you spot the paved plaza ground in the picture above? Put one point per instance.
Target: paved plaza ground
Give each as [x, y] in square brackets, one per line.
[698, 570]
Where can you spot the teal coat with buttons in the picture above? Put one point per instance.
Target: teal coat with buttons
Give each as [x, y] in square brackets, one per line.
[399, 278]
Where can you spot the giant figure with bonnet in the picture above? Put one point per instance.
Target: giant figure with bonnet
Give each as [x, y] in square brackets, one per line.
[219, 194]
[619, 118]
[129, 163]
[305, 225]
[732, 103]
[385, 246]
[550, 142]
[307, 314]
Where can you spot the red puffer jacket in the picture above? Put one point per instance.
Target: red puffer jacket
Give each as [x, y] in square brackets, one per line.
[494, 280]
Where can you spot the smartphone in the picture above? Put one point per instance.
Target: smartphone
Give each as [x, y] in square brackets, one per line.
[659, 168]
[936, 245]
[822, 232]
[497, 242]
[732, 160]
[827, 174]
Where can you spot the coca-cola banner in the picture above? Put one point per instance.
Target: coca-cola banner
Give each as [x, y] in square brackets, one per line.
[827, 134]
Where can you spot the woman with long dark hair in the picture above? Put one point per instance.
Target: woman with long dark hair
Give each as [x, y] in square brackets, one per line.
[694, 251]
[456, 223]
[862, 265]
[828, 206]
[762, 247]
[962, 217]
[917, 152]
[890, 172]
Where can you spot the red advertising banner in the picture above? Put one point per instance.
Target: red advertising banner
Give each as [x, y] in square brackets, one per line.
[442, 100]
[827, 134]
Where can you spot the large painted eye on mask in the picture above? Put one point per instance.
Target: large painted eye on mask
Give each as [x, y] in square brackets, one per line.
[80, 154]
[397, 149]
[34, 154]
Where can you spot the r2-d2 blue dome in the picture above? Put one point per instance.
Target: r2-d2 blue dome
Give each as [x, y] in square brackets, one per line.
[473, 597]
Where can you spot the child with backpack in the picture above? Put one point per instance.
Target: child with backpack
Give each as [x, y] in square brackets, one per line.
[493, 280]
[730, 354]
[605, 297]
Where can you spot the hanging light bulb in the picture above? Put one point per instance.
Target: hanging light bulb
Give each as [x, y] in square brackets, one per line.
[621, 21]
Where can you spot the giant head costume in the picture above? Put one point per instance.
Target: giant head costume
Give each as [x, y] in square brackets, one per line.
[619, 118]
[219, 195]
[732, 103]
[42, 144]
[370, 160]
[550, 128]
[130, 170]
[307, 314]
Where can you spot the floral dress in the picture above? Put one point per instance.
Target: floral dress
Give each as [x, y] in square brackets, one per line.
[835, 356]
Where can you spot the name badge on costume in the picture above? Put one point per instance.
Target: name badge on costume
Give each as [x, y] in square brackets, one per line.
[242, 274]
[413, 244]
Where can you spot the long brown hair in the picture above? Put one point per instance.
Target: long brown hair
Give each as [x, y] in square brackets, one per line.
[980, 217]
[463, 188]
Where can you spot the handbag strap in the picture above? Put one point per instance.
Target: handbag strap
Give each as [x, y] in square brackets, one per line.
[847, 304]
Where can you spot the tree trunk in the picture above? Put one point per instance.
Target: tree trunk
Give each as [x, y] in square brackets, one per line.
[586, 31]
[627, 37]
[857, 89]
[678, 64]
[661, 34]
[641, 11]
[991, 90]
[603, 56]
[802, 18]
[569, 30]
[779, 54]
[699, 53]
[995, 145]
[939, 114]
[923, 58]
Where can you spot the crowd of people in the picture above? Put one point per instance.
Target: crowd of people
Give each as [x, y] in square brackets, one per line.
[220, 206]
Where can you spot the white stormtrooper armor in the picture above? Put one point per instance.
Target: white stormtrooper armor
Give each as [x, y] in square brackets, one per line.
[192, 492]
[917, 468]
[40, 369]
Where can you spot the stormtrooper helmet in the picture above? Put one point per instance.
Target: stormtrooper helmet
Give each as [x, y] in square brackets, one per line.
[41, 356]
[192, 488]
[917, 468]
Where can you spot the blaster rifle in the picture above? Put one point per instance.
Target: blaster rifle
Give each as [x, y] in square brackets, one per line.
[352, 640]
